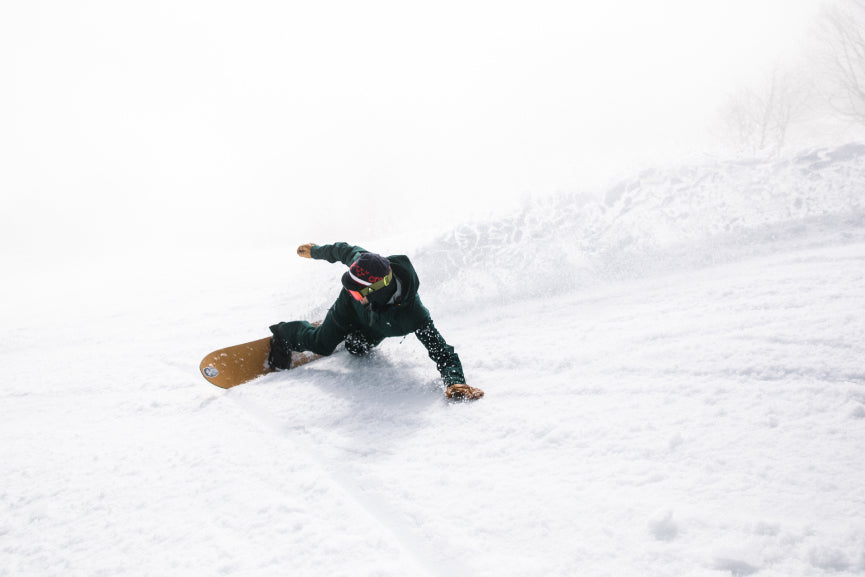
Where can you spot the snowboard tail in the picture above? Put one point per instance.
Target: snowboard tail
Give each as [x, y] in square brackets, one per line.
[240, 364]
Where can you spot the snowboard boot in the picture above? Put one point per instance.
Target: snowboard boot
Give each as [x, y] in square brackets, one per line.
[279, 358]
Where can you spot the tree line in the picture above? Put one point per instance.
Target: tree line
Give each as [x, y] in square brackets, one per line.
[824, 91]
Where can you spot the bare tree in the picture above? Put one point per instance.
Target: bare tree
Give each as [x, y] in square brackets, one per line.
[758, 119]
[843, 33]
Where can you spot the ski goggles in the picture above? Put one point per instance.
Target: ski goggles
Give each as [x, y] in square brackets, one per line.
[359, 295]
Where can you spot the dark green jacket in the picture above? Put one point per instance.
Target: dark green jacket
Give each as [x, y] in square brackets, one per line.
[406, 314]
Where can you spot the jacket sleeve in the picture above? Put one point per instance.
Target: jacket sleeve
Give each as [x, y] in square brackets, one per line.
[337, 252]
[446, 359]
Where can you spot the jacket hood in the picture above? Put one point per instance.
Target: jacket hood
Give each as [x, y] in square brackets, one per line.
[404, 271]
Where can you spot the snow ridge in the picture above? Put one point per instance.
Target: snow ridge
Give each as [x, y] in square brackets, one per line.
[659, 221]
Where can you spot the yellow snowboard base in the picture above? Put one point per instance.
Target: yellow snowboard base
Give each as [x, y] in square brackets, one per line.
[240, 364]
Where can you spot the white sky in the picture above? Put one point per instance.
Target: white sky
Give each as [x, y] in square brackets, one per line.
[208, 122]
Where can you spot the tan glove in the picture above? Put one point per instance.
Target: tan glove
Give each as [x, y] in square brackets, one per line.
[305, 250]
[463, 391]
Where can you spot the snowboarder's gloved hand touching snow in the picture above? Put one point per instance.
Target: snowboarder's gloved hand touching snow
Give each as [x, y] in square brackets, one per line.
[305, 250]
[462, 391]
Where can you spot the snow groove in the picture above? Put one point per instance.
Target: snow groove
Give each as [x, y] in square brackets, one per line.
[394, 523]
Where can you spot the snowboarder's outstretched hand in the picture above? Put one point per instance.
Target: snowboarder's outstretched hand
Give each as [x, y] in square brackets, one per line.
[305, 250]
[460, 391]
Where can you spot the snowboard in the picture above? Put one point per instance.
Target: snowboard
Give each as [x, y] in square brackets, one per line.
[240, 364]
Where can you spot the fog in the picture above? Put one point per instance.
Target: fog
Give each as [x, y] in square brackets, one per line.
[188, 124]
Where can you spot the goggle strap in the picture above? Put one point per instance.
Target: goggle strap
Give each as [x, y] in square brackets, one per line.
[377, 285]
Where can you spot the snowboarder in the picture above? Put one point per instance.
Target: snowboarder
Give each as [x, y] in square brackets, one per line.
[379, 300]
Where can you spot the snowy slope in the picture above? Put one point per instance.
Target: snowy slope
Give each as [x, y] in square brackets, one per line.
[674, 381]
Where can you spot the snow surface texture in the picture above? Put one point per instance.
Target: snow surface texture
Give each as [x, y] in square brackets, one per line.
[675, 386]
